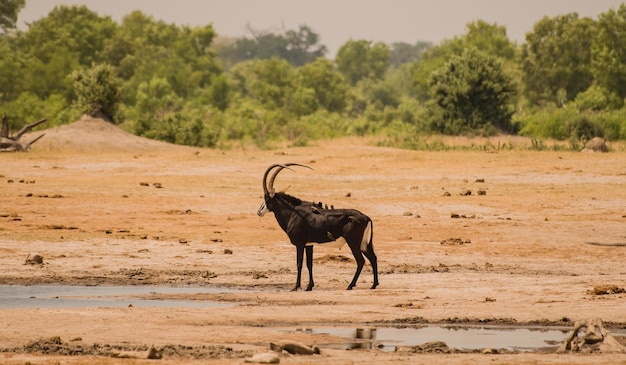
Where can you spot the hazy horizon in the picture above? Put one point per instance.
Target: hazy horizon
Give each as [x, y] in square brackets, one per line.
[338, 21]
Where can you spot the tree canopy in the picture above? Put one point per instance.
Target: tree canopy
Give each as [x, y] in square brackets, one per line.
[190, 85]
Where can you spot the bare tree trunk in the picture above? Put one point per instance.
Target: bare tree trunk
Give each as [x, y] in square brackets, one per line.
[12, 143]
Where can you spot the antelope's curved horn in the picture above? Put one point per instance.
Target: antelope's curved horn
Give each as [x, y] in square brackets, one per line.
[265, 189]
[281, 167]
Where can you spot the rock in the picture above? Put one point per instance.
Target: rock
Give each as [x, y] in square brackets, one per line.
[294, 347]
[596, 144]
[455, 241]
[34, 259]
[437, 347]
[264, 358]
[155, 354]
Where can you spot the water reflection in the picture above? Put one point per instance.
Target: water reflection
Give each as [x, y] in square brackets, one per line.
[463, 338]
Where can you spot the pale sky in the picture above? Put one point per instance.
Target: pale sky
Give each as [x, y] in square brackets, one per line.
[337, 21]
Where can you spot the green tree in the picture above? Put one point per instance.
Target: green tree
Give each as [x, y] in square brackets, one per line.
[330, 88]
[68, 38]
[270, 82]
[401, 52]
[358, 60]
[608, 63]
[9, 9]
[74, 29]
[471, 93]
[97, 91]
[143, 48]
[556, 58]
[298, 47]
[490, 39]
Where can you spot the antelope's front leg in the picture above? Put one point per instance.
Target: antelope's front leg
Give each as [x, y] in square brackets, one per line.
[299, 258]
[309, 265]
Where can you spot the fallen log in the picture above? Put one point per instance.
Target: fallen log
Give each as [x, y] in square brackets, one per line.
[13, 143]
[595, 339]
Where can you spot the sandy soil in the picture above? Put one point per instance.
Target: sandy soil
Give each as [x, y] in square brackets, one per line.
[123, 210]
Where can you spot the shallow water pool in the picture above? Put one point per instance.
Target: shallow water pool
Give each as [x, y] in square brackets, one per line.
[66, 296]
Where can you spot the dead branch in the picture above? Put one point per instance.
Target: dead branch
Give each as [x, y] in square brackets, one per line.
[12, 143]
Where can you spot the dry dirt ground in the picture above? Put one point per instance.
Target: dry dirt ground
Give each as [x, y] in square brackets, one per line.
[107, 208]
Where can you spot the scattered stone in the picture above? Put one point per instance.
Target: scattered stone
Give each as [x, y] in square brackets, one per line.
[447, 194]
[34, 259]
[348, 195]
[489, 299]
[264, 358]
[407, 214]
[439, 347]
[158, 185]
[479, 180]
[144, 184]
[455, 241]
[596, 144]
[457, 215]
[466, 192]
[258, 275]
[482, 192]
[155, 354]
[606, 290]
[228, 251]
[294, 347]
[182, 240]
[403, 305]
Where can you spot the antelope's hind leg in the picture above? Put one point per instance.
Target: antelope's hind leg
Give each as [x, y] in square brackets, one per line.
[371, 256]
[360, 262]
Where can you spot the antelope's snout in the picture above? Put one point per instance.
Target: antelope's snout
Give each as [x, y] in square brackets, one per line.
[262, 210]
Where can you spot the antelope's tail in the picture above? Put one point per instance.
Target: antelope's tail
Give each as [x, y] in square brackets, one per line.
[368, 236]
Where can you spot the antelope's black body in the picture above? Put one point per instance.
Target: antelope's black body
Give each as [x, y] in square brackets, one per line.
[306, 223]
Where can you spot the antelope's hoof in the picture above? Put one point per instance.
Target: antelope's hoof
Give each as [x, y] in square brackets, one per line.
[374, 286]
[295, 289]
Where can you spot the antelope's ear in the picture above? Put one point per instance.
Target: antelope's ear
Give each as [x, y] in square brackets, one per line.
[285, 189]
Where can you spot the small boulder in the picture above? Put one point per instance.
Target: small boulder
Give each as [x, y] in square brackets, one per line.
[34, 259]
[596, 144]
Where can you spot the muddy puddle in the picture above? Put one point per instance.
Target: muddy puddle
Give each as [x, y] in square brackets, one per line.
[62, 296]
[457, 337]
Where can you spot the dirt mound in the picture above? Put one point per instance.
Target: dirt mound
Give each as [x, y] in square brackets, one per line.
[92, 134]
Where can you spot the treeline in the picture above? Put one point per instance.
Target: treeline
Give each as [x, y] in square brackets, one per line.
[186, 85]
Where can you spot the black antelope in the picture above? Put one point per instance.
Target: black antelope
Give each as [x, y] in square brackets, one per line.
[307, 223]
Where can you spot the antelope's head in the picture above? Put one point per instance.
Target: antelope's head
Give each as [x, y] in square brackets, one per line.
[269, 192]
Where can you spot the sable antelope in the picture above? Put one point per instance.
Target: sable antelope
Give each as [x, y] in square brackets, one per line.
[306, 223]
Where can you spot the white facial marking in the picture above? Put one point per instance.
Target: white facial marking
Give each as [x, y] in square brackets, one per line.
[262, 210]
